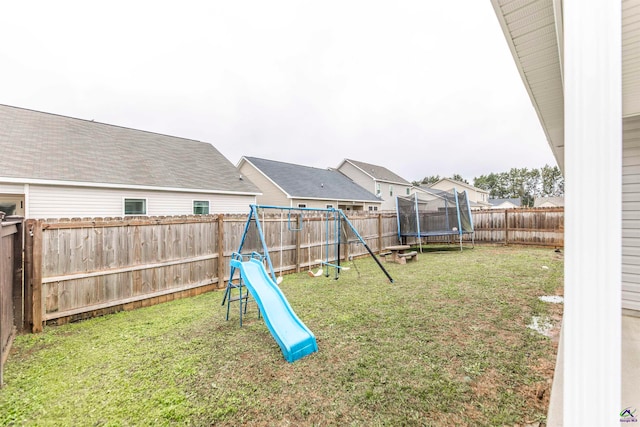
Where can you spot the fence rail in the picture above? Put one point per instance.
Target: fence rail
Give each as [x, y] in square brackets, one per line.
[80, 268]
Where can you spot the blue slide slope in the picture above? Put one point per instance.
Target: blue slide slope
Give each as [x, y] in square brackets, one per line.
[293, 337]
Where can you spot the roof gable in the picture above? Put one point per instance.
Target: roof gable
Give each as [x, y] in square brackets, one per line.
[309, 182]
[514, 201]
[50, 147]
[378, 173]
[459, 183]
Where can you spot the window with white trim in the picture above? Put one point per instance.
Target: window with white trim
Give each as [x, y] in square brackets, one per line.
[302, 205]
[201, 207]
[408, 191]
[135, 206]
[373, 208]
[391, 190]
[329, 206]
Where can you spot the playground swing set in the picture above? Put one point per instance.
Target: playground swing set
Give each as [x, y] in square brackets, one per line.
[257, 276]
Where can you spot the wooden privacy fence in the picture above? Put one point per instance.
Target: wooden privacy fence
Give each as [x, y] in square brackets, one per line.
[535, 226]
[80, 268]
[11, 291]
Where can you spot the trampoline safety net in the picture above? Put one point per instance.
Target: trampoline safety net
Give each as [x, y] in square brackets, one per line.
[434, 214]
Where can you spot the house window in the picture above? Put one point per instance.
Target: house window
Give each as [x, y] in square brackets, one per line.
[408, 191]
[391, 190]
[201, 207]
[302, 205]
[329, 206]
[135, 206]
[378, 191]
[373, 208]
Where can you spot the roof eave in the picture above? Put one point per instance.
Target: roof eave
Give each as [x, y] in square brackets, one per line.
[31, 181]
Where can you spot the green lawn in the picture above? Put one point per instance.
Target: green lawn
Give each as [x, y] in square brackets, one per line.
[446, 344]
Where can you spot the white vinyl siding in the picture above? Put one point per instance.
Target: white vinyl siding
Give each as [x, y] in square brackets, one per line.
[12, 188]
[86, 202]
[631, 214]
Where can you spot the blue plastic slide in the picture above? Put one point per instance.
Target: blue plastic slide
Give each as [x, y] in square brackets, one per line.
[293, 337]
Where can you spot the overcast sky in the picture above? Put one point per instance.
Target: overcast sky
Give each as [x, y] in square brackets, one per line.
[422, 87]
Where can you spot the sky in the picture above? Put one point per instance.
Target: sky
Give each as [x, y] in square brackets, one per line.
[421, 87]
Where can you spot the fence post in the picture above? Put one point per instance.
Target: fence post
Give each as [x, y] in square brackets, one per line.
[506, 227]
[379, 232]
[18, 284]
[298, 240]
[36, 277]
[220, 244]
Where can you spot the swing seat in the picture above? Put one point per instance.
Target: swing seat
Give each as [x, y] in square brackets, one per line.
[316, 274]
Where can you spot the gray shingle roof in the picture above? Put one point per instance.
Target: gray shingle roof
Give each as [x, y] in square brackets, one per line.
[43, 146]
[379, 173]
[496, 202]
[308, 182]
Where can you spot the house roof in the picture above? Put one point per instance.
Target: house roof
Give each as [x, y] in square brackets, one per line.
[459, 183]
[514, 201]
[39, 146]
[556, 201]
[307, 182]
[378, 173]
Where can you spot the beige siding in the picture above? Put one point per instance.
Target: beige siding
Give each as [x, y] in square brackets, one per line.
[474, 195]
[70, 202]
[359, 177]
[366, 182]
[631, 215]
[322, 204]
[346, 205]
[271, 194]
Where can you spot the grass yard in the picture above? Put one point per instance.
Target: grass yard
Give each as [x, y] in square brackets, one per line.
[447, 344]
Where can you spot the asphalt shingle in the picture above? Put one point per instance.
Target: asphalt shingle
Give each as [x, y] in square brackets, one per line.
[37, 145]
[309, 182]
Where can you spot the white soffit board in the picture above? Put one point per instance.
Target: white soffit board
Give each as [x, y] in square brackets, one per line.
[530, 30]
[630, 58]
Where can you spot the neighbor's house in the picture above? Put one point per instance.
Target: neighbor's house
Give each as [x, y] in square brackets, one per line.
[511, 203]
[377, 179]
[478, 197]
[53, 166]
[291, 185]
[578, 61]
[548, 202]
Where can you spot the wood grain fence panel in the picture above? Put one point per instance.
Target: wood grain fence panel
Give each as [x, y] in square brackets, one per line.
[93, 264]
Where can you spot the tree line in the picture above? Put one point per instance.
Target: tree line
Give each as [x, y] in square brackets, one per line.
[523, 183]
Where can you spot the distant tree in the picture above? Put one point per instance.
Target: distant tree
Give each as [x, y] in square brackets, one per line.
[526, 184]
[552, 181]
[494, 183]
[459, 178]
[523, 183]
[427, 180]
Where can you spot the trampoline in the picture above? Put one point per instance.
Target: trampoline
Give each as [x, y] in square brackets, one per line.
[436, 213]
